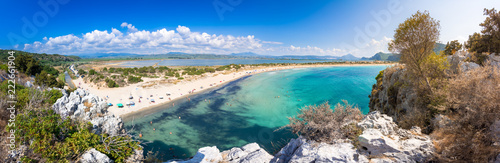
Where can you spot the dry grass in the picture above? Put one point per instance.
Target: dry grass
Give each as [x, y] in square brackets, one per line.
[474, 100]
[322, 124]
[88, 105]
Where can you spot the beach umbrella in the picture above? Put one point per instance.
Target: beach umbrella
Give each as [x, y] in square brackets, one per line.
[119, 105]
[152, 100]
[131, 97]
[168, 93]
[161, 97]
[131, 103]
[110, 104]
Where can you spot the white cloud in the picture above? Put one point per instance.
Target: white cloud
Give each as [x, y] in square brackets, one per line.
[182, 39]
[145, 42]
[272, 42]
[130, 27]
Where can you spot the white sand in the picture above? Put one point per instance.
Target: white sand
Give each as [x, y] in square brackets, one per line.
[179, 90]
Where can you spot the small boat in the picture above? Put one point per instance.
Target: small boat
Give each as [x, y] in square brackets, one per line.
[120, 105]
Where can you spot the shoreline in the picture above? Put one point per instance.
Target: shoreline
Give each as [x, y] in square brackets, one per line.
[180, 90]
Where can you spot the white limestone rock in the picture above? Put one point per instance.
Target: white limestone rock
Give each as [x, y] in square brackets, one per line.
[391, 143]
[94, 156]
[467, 66]
[204, 155]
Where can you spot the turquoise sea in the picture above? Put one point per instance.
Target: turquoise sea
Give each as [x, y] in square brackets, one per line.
[249, 109]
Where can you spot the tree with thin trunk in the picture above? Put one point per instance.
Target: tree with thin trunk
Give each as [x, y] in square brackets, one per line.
[415, 39]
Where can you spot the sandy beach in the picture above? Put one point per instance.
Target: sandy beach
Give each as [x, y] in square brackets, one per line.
[182, 89]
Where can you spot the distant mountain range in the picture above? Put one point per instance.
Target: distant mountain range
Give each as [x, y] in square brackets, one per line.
[380, 56]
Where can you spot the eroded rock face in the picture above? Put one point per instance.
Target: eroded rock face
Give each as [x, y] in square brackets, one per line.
[389, 96]
[81, 105]
[382, 138]
[94, 156]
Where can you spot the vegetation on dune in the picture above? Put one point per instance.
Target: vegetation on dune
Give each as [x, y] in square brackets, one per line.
[133, 79]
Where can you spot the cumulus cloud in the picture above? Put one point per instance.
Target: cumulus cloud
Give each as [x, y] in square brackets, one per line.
[145, 42]
[182, 39]
[130, 27]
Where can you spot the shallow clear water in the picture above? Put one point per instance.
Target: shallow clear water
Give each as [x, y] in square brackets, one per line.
[208, 62]
[249, 110]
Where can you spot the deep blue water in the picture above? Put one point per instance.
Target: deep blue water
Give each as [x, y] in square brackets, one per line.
[249, 109]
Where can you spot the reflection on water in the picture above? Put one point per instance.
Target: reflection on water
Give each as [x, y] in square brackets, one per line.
[249, 109]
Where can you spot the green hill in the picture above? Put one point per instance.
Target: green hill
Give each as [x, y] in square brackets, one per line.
[45, 59]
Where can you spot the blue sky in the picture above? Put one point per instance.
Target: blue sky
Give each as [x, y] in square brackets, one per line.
[288, 27]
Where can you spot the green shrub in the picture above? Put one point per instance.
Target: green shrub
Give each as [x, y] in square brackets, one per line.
[53, 95]
[322, 124]
[56, 140]
[380, 75]
[111, 83]
[133, 79]
[92, 72]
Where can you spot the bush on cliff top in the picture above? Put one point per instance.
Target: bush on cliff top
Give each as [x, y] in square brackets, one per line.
[322, 124]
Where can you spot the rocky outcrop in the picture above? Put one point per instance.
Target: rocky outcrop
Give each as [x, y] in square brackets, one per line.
[302, 150]
[247, 154]
[382, 138]
[94, 156]
[381, 141]
[82, 106]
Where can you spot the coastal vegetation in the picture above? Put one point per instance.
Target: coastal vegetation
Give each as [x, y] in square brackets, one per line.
[458, 107]
[48, 137]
